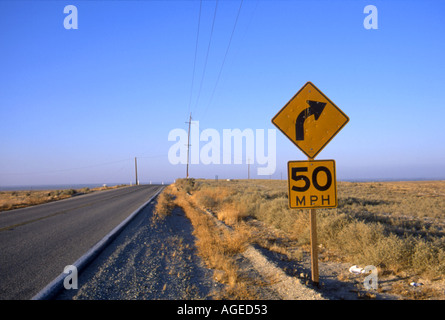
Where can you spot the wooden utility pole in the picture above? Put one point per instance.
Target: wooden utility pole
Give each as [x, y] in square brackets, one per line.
[188, 146]
[314, 248]
[136, 170]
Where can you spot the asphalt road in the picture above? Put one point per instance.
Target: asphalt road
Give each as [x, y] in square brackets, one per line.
[36, 243]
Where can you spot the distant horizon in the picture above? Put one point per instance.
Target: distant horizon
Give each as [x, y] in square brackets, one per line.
[95, 185]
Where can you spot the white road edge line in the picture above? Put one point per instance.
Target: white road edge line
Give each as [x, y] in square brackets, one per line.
[57, 284]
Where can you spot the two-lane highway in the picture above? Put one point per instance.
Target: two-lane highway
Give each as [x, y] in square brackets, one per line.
[36, 243]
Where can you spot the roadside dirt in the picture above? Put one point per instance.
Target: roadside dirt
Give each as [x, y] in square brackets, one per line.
[150, 261]
[293, 275]
[147, 261]
[336, 282]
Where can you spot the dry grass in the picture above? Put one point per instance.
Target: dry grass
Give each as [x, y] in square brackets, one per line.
[218, 247]
[10, 200]
[164, 204]
[396, 226]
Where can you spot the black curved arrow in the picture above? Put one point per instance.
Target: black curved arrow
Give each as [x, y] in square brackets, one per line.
[315, 108]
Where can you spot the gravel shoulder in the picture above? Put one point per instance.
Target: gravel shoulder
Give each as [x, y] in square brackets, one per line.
[159, 261]
[147, 261]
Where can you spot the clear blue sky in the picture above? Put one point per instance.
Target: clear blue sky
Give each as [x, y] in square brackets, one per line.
[76, 106]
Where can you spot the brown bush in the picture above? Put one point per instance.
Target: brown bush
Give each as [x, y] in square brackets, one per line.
[164, 204]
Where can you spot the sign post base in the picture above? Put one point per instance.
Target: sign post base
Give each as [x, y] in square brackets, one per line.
[314, 248]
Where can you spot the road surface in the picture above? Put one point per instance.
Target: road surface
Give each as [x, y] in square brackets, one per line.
[36, 243]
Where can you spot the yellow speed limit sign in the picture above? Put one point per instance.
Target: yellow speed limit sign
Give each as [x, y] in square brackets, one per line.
[312, 184]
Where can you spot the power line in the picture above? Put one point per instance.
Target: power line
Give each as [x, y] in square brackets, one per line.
[225, 56]
[196, 51]
[207, 54]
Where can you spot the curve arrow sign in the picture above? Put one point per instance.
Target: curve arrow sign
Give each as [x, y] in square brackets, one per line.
[315, 109]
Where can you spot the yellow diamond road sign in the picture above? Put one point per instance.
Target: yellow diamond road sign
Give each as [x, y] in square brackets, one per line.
[310, 120]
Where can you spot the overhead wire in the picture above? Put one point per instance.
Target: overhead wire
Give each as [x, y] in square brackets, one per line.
[207, 54]
[225, 56]
[194, 60]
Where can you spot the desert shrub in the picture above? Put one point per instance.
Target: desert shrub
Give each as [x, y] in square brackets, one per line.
[276, 213]
[235, 242]
[300, 227]
[232, 212]
[441, 259]
[164, 204]
[274, 194]
[370, 244]
[207, 201]
[329, 227]
[247, 203]
[212, 198]
[188, 185]
[389, 252]
[356, 238]
[363, 242]
[69, 192]
[427, 258]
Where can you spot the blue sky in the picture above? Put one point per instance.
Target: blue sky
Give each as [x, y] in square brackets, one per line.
[77, 106]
